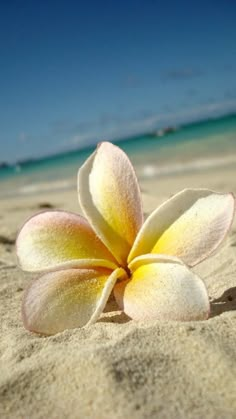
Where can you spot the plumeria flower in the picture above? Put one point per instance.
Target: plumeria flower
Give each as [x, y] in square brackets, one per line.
[146, 264]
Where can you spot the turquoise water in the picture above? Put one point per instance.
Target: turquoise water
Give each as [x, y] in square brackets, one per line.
[194, 146]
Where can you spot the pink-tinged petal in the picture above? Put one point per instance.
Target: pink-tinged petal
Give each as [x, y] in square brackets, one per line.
[52, 238]
[110, 197]
[163, 291]
[67, 299]
[190, 225]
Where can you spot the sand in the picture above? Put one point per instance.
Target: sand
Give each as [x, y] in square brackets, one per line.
[118, 368]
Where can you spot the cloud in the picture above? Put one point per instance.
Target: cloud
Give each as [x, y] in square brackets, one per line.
[66, 126]
[230, 93]
[177, 74]
[23, 137]
[80, 139]
[184, 115]
[132, 81]
[107, 119]
[112, 127]
[207, 110]
[191, 93]
[86, 132]
[229, 67]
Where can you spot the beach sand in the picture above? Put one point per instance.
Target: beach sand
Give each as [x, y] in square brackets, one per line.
[118, 368]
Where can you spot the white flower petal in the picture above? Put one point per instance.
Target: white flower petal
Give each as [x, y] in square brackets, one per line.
[163, 291]
[190, 225]
[67, 299]
[110, 198]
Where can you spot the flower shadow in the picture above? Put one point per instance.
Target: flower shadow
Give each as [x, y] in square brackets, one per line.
[112, 313]
[114, 318]
[226, 302]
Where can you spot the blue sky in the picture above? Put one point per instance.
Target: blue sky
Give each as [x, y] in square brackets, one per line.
[74, 72]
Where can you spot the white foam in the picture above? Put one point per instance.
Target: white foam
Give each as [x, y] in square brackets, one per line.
[195, 165]
[45, 186]
[34, 188]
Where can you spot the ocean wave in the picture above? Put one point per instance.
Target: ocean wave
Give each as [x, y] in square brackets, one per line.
[46, 186]
[151, 170]
[34, 188]
[12, 189]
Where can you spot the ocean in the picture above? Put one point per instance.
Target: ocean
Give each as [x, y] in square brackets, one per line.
[193, 147]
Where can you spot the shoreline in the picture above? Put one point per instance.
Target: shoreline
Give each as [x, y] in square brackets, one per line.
[11, 188]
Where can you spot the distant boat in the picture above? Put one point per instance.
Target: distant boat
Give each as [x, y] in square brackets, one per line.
[164, 131]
